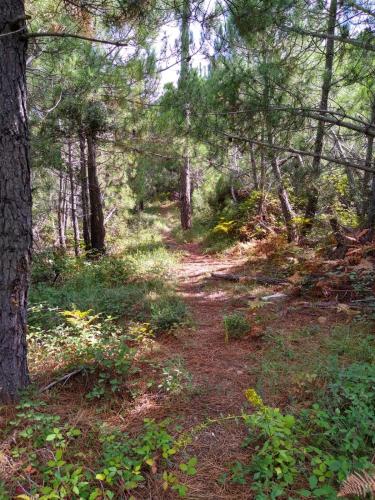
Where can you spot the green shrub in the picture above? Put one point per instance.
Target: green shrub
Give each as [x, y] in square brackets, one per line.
[352, 342]
[346, 416]
[49, 265]
[167, 313]
[124, 458]
[3, 492]
[320, 446]
[236, 326]
[49, 447]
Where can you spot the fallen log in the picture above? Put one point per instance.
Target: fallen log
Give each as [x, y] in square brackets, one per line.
[263, 280]
[332, 305]
[343, 241]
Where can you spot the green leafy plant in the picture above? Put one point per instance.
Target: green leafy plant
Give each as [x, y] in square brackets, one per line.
[126, 459]
[175, 377]
[321, 446]
[346, 417]
[167, 313]
[112, 362]
[274, 464]
[236, 326]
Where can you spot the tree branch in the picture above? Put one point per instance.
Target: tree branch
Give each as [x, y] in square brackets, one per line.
[321, 115]
[361, 8]
[300, 152]
[324, 36]
[73, 35]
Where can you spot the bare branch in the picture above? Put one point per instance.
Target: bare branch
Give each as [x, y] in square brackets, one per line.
[324, 36]
[300, 152]
[79, 37]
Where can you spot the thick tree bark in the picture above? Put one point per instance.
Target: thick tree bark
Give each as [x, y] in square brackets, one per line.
[96, 215]
[185, 175]
[313, 195]
[73, 200]
[15, 203]
[61, 211]
[84, 193]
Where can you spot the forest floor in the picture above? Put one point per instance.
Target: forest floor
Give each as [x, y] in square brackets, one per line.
[221, 371]
[218, 368]
[190, 375]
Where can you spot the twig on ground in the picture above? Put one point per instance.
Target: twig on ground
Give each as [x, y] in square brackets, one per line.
[64, 379]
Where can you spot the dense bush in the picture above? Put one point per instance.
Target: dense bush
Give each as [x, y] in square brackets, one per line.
[167, 313]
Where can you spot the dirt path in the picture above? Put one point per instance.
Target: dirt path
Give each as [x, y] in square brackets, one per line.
[219, 369]
[215, 364]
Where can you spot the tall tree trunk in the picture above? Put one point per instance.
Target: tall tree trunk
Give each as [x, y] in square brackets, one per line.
[371, 212]
[185, 194]
[254, 167]
[84, 193]
[96, 215]
[61, 211]
[352, 183]
[233, 171]
[15, 203]
[64, 208]
[73, 200]
[366, 192]
[262, 165]
[369, 207]
[185, 175]
[286, 207]
[313, 195]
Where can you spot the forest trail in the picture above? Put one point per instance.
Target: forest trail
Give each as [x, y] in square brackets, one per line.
[218, 369]
[216, 365]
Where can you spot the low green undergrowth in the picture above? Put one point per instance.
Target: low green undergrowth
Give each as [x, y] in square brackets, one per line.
[309, 453]
[54, 467]
[236, 326]
[129, 282]
[175, 377]
[329, 431]
[90, 324]
[310, 353]
[107, 287]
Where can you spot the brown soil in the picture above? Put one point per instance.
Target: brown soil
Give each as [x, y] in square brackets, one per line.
[221, 371]
[218, 370]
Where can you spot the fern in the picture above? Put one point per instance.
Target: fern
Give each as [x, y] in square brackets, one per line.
[359, 484]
